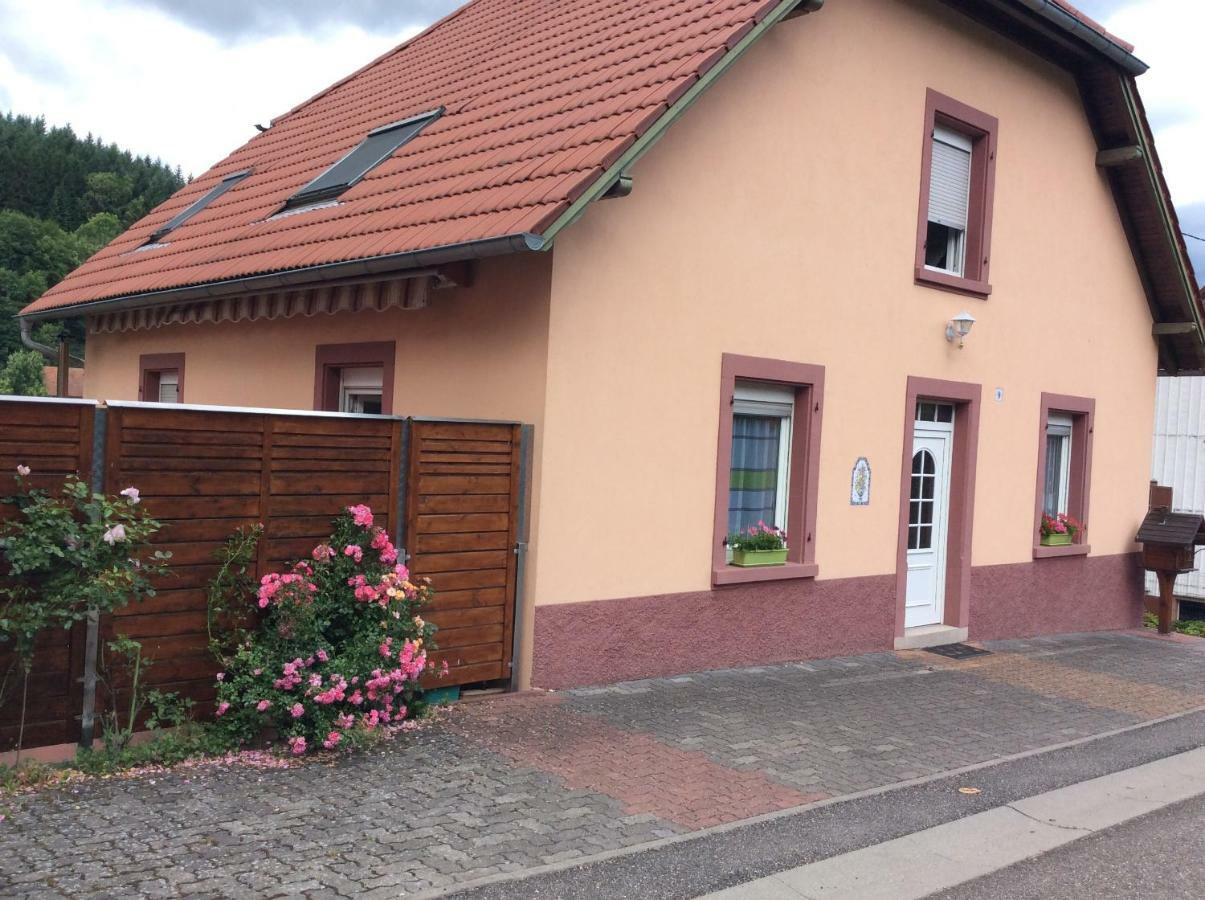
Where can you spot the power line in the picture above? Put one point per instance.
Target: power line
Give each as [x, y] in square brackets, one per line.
[1193, 236]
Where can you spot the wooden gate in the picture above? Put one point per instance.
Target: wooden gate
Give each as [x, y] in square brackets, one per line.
[462, 512]
[449, 493]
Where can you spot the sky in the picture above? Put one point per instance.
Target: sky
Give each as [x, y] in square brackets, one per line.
[186, 80]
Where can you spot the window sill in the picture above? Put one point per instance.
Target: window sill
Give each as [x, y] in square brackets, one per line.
[955, 283]
[747, 575]
[1040, 552]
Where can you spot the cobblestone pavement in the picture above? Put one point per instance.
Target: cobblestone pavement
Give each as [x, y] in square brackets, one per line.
[509, 784]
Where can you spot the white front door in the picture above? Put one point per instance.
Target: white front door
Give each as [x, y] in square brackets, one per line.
[928, 516]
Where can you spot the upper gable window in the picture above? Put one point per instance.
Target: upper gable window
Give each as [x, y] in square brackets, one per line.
[380, 144]
[956, 192]
[212, 194]
[949, 201]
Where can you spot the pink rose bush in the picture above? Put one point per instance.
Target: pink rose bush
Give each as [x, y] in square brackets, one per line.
[340, 649]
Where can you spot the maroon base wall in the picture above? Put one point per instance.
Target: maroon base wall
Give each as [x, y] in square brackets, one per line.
[1058, 595]
[605, 641]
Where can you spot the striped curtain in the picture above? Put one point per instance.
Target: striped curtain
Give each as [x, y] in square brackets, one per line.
[753, 483]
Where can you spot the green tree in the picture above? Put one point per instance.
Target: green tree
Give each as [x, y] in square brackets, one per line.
[62, 198]
[22, 374]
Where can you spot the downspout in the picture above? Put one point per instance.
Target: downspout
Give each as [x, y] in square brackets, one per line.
[46, 350]
[59, 357]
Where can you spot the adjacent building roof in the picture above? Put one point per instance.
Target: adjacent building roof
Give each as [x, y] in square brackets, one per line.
[543, 108]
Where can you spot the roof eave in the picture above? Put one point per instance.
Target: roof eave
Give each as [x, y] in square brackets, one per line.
[400, 265]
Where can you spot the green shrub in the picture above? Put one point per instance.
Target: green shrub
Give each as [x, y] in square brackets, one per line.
[340, 648]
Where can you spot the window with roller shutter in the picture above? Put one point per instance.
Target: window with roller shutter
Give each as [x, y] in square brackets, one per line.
[956, 195]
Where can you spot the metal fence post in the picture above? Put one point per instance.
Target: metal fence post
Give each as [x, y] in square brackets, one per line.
[522, 536]
[399, 508]
[100, 424]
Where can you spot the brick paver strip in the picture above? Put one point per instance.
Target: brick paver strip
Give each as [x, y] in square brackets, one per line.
[645, 775]
[504, 786]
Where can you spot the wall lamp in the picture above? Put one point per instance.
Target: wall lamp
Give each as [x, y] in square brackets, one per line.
[959, 327]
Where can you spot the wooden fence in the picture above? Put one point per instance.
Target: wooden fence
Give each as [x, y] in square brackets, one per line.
[449, 493]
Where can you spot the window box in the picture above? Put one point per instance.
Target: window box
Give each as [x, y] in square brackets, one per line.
[1056, 540]
[759, 557]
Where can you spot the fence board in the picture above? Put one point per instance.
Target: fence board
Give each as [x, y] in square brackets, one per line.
[206, 473]
[55, 440]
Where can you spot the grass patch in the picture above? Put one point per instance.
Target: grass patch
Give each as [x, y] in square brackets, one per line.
[1194, 627]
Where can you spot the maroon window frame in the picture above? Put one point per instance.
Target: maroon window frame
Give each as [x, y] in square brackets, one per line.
[804, 477]
[151, 366]
[982, 129]
[1082, 411]
[331, 359]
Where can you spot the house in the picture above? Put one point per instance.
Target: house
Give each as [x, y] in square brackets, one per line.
[894, 275]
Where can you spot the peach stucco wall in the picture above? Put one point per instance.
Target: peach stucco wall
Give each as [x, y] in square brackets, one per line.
[778, 219]
[475, 352]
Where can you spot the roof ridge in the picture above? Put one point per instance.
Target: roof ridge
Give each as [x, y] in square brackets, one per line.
[410, 41]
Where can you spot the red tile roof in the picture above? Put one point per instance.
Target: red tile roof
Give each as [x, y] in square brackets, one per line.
[540, 99]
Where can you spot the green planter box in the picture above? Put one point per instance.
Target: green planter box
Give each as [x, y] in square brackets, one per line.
[1056, 540]
[759, 557]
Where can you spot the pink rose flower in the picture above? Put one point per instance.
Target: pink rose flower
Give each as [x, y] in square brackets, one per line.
[297, 745]
[23, 471]
[131, 494]
[222, 707]
[361, 515]
[297, 711]
[332, 740]
[263, 704]
[322, 656]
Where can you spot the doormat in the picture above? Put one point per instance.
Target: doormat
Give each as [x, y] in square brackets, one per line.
[958, 651]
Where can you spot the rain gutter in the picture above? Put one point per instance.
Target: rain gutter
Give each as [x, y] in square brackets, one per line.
[1068, 23]
[392, 264]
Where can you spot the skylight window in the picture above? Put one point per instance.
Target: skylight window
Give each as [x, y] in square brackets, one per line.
[212, 194]
[380, 144]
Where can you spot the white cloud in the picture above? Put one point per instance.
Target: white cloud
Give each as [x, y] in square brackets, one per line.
[157, 86]
[1167, 36]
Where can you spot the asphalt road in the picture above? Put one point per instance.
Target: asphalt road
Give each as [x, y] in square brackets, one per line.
[1159, 856]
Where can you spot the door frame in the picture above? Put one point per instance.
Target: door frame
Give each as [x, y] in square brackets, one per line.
[964, 453]
[941, 519]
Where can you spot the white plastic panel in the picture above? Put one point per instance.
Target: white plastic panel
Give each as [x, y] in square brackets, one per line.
[1178, 459]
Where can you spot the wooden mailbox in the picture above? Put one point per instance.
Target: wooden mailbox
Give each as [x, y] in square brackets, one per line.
[1169, 547]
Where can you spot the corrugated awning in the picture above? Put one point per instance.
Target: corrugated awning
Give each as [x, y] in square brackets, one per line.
[393, 293]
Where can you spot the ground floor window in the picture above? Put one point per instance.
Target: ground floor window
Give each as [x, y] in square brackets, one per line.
[161, 378]
[354, 378]
[360, 389]
[760, 470]
[1064, 469]
[1056, 484]
[768, 461]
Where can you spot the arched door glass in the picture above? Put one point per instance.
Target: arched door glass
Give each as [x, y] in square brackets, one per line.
[921, 501]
